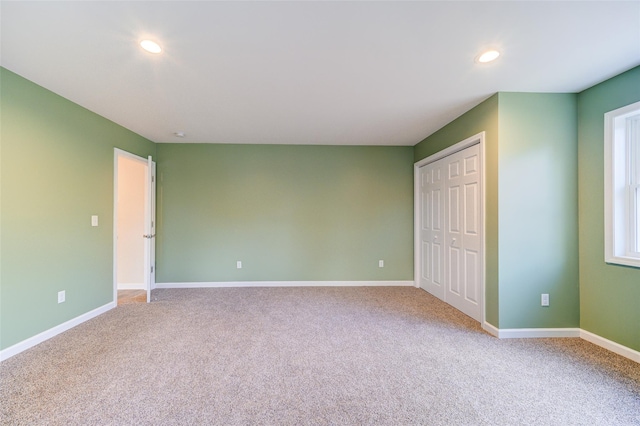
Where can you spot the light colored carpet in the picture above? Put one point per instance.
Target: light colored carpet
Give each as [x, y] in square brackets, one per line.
[296, 356]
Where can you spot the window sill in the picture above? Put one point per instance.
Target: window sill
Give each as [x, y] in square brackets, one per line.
[624, 261]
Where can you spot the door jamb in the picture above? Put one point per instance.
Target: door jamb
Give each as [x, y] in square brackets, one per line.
[470, 141]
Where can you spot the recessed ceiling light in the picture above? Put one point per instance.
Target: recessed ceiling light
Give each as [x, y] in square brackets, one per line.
[150, 46]
[488, 56]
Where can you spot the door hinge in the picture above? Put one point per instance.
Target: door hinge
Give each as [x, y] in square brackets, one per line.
[152, 269]
[153, 178]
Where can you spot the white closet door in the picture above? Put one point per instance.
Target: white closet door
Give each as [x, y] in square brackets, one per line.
[450, 231]
[432, 228]
[462, 232]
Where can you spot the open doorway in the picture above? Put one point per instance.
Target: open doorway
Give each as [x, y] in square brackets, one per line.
[133, 228]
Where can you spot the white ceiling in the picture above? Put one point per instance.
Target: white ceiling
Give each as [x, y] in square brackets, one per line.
[352, 73]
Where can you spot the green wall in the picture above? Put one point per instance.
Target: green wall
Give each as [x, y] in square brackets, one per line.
[538, 210]
[57, 171]
[289, 213]
[482, 118]
[531, 205]
[609, 294]
[312, 212]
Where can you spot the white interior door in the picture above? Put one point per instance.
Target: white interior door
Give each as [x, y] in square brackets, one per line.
[432, 228]
[463, 231]
[451, 230]
[150, 229]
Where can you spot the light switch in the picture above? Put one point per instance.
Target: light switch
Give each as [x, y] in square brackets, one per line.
[94, 220]
[239, 264]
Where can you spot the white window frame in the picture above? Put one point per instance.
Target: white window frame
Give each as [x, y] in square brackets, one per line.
[622, 185]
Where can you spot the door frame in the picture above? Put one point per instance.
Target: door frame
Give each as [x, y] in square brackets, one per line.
[477, 139]
[149, 212]
[150, 229]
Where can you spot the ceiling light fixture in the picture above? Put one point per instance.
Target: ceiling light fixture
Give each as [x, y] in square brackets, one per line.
[488, 56]
[179, 134]
[151, 46]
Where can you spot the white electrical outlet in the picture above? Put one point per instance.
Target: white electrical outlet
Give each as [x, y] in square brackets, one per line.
[380, 263]
[94, 220]
[544, 299]
[61, 296]
[239, 264]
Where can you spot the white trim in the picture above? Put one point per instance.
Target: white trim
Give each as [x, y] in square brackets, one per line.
[491, 329]
[618, 230]
[528, 333]
[501, 334]
[470, 141]
[610, 345]
[417, 272]
[131, 286]
[477, 139]
[219, 284]
[48, 334]
[150, 228]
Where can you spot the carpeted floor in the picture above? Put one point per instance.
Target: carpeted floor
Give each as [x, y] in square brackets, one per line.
[310, 356]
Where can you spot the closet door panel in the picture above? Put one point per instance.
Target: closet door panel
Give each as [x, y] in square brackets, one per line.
[432, 223]
[463, 232]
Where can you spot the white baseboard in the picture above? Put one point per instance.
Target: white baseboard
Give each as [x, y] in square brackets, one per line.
[610, 345]
[219, 284]
[131, 286]
[48, 334]
[527, 333]
[502, 334]
[494, 331]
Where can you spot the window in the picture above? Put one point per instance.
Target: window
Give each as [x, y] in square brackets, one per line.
[622, 185]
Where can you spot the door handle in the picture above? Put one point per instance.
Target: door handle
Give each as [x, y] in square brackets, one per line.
[149, 236]
[453, 241]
